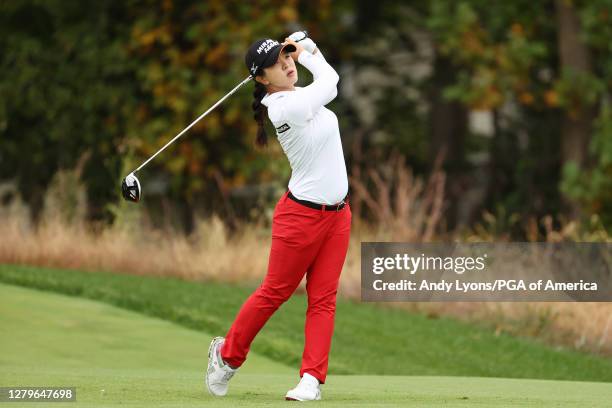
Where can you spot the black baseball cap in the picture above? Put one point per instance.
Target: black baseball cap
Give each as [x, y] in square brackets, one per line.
[264, 53]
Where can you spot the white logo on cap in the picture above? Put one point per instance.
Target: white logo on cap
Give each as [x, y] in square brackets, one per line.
[266, 46]
[254, 68]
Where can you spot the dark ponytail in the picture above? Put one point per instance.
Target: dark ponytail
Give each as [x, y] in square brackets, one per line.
[260, 112]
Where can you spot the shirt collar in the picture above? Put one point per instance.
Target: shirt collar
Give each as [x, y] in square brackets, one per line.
[269, 98]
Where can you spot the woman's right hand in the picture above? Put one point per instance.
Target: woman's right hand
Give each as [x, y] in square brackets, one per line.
[298, 48]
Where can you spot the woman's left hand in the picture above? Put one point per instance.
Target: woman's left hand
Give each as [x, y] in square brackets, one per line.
[305, 41]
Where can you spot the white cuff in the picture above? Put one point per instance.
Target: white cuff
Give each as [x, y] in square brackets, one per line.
[304, 55]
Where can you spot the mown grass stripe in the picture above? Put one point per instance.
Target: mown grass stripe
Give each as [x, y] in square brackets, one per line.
[367, 340]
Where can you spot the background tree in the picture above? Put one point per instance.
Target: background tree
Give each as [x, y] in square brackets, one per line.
[108, 84]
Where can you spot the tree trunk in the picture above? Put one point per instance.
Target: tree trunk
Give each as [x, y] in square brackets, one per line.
[574, 55]
[448, 132]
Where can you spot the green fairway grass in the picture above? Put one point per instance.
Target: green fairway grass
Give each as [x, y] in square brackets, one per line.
[368, 339]
[118, 357]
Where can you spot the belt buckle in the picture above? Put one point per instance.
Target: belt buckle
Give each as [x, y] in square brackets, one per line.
[338, 206]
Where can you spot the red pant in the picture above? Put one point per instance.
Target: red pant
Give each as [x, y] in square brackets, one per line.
[304, 241]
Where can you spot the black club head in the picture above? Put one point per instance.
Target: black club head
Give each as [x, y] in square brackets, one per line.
[130, 188]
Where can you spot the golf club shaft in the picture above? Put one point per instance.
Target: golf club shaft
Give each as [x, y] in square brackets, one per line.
[247, 79]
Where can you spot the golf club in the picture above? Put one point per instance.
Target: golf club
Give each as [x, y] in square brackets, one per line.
[130, 187]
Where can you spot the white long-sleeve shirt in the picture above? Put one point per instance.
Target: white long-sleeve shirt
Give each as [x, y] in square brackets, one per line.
[309, 134]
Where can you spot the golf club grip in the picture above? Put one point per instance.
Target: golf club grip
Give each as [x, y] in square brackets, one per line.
[247, 79]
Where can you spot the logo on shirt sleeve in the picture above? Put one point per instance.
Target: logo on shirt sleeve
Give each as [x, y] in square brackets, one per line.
[282, 128]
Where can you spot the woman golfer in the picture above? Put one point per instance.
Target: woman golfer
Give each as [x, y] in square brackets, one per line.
[312, 220]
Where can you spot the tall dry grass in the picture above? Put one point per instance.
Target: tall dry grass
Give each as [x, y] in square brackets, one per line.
[403, 207]
[409, 208]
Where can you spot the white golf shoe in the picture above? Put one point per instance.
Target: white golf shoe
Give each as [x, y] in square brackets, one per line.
[308, 389]
[219, 373]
